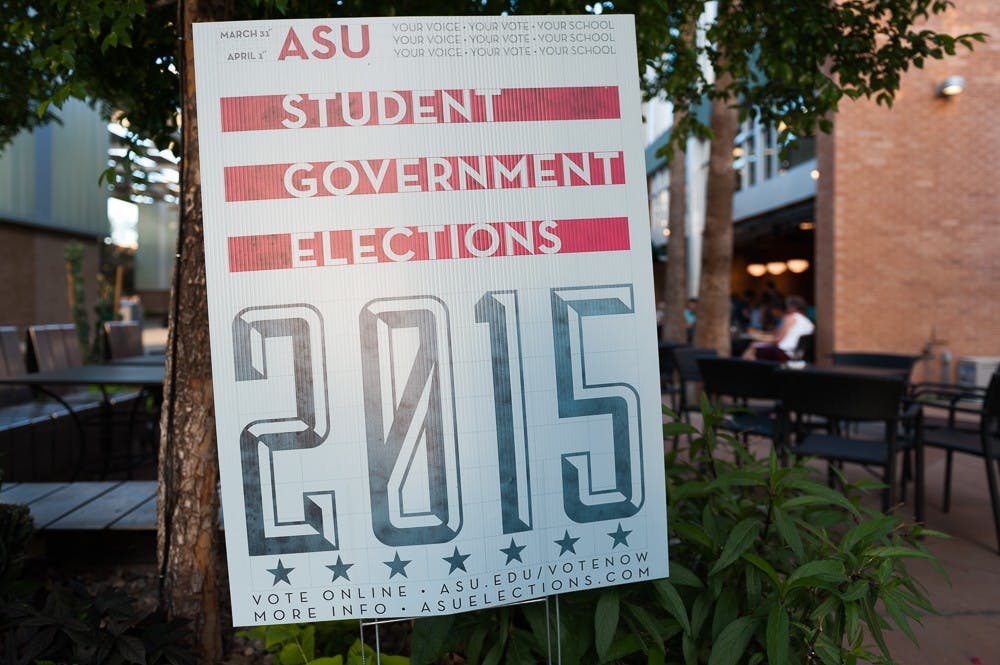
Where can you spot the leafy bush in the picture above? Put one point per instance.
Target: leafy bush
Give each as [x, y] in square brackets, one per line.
[73, 626]
[324, 643]
[69, 624]
[767, 566]
[16, 530]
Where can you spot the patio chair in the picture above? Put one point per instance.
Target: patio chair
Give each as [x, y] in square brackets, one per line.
[56, 346]
[739, 381]
[807, 348]
[669, 384]
[979, 437]
[123, 339]
[688, 374]
[843, 398]
[23, 418]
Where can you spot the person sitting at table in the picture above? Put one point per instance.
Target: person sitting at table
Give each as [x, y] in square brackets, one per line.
[781, 344]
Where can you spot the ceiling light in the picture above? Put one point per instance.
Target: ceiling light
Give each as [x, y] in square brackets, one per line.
[757, 269]
[798, 265]
[776, 267]
[806, 226]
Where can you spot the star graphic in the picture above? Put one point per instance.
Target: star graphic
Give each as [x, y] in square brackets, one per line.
[280, 573]
[513, 552]
[397, 565]
[340, 569]
[456, 561]
[620, 537]
[566, 544]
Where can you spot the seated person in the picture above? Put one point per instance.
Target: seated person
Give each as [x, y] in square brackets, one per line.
[781, 344]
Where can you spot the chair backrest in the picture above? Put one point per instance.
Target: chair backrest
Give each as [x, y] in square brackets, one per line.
[124, 338]
[991, 406]
[737, 377]
[666, 349]
[53, 347]
[807, 345]
[12, 364]
[840, 395]
[686, 361]
[900, 361]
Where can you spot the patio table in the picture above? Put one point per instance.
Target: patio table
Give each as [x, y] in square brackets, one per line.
[101, 376]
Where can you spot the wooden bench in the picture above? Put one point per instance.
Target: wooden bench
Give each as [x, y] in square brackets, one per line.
[124, 505]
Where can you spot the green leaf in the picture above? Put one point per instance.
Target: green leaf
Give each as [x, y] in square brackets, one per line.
[693, 532]
[672, 603]
[429, 637]
[308, 642]
[690, 650]
[833, 497]
[897, 552]
[291, 654]
[605, 621]
[494, 654]
[681, 576]
[868, 531]
[131, 649]
[788, 532]
[808, 574]
[857, 590]
[894, 606]
[726, 611]
[328, 660]
[739, 541]
[732, 642]
[764, 567]
[777, 635]
[280, 634]
[648, 623]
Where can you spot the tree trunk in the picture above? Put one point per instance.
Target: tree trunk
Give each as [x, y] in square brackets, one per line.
[188, 544]
[712, 328]
[676, 291]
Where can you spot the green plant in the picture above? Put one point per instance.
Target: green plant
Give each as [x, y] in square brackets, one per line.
[768, 565]
[73, 254]
[16, 530]
[324, 643]
[68, 624]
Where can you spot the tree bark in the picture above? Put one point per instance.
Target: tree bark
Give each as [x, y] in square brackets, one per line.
[188, 543]
[676, 290]
[712, 328]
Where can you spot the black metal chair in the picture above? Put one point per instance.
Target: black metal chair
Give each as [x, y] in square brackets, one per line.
[843, 398]
[979, 436]
[807, 348]
[738, 381]
[669, 384]
[688, 374]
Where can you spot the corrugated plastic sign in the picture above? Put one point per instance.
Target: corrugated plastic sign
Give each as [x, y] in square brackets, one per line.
[431, 310]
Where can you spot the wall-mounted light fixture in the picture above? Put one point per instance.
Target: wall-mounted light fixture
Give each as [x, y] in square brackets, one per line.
[757, 269]
[951, 86]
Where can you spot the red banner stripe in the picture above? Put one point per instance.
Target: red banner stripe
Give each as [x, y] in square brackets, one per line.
[406, 107]
[281, 251]
[259, 182]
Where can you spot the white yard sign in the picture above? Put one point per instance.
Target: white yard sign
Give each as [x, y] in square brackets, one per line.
[431, 305]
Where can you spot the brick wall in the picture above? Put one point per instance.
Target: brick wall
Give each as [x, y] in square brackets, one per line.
[33, 273]
[908, 209]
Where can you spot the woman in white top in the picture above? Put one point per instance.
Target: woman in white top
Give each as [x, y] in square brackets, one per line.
[782, 343]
